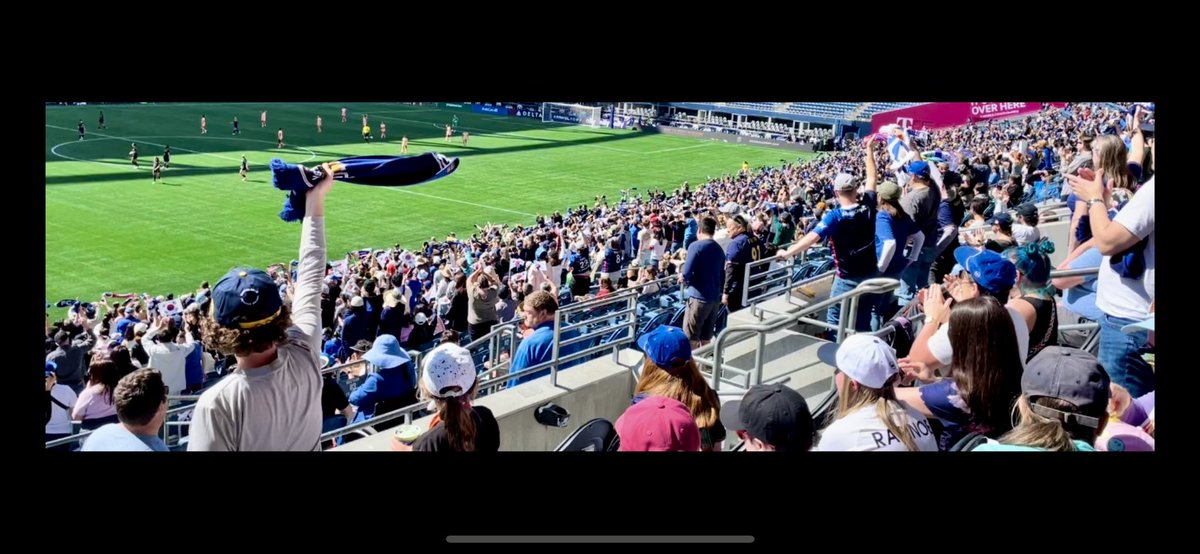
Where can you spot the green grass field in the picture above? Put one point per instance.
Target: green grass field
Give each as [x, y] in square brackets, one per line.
[109, 228]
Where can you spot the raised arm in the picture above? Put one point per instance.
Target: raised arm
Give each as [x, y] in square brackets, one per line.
[306, 306]
[869, 161]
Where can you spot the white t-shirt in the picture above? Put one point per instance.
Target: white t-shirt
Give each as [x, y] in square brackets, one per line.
[1130, 298]
[60, 418]
[1025, 234]
[862, 430]
[939, 344]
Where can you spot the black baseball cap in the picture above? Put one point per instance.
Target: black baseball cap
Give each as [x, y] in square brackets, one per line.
[774, 414]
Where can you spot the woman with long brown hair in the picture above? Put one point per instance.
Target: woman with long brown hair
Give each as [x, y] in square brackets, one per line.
[449, 380]
[95, 406]
[670, 371]
[985, 374]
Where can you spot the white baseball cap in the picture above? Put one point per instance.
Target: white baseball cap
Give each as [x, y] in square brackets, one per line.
[449, 371]
[862, 357]
[356, 302]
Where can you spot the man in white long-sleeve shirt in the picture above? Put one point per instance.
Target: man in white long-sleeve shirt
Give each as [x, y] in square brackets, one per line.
[273, 400]
[166, 355]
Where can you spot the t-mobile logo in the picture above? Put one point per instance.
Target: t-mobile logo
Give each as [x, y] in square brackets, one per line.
[904, 122]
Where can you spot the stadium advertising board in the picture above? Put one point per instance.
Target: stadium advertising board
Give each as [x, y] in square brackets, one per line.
[494, 110]
[939, 115]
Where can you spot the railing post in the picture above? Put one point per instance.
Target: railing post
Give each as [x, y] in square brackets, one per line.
[758, 358]
[716, 366]
[852, 321]
[554, 354]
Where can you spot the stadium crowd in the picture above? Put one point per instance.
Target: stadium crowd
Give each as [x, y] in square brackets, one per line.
[952, 214]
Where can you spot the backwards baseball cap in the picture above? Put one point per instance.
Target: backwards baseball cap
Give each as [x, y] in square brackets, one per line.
[888, 191]
[991, 271]
[774, 414]
[1027, 211]
[245, 298]
[668, 347]
[1070, 375]
[918, 168]
[865, 358]
[658, 424]
[449, 371]
[845, 182]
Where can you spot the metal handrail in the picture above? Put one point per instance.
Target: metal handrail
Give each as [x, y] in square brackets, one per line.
[1055, 274]
[846, 299]
[405, 412]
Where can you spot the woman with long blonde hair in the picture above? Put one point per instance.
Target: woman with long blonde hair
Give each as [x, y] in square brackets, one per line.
[869, 416]
[1063, 404]
[670, 371]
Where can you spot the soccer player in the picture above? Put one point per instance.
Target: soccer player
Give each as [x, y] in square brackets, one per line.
[245, 169]
[167, 156]
[279, 135]
[236, 131]
[382, 131]
[102, 120]
[82, 129]
[404, 144]
[318, 124]
[157, 169]
[366, 130]
[343, 115]
[262, 119]
[466, 136]
[203, 125]
[133, 154]
[448, 133]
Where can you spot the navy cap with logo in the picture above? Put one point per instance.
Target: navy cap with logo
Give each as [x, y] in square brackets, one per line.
[245, 298]
[774, 414]
[1002, 218]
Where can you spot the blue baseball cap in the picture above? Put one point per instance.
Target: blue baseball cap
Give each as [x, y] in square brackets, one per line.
[245, 298]
[919, 168]
[1002, 218]
[668, 347]
[51, 368]
[991, 271]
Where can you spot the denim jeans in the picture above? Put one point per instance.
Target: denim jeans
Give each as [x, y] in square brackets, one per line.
[862, 319]
[916, 276]
[1121, 355]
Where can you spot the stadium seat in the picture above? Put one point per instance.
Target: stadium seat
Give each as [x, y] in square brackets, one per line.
[597, 435]
[969, 442]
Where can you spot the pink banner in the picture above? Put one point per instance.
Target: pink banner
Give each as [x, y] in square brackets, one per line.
[939, 115]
